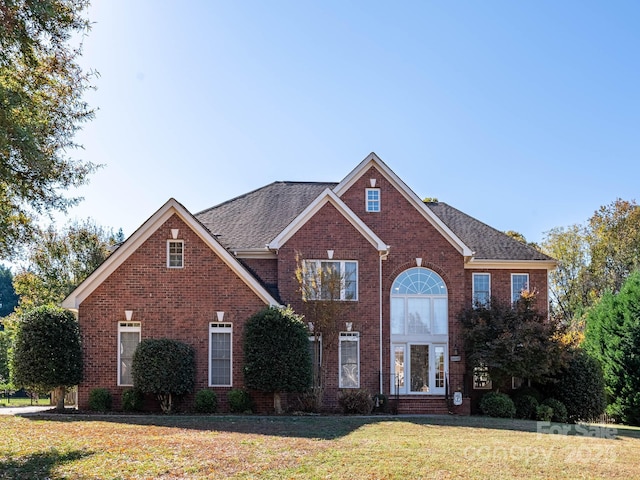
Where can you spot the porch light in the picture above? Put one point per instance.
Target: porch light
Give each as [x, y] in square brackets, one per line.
[128, 315]
[330, 254]
[349, 326]
[220, 316]
[174, 233]
[455, 350]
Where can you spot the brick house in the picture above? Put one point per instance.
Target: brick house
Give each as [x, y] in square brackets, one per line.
[408, 268]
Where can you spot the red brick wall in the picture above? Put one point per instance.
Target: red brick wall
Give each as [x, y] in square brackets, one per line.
[170, 303]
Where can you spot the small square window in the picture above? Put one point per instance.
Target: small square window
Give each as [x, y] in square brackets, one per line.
[372, 200]
[175, 253]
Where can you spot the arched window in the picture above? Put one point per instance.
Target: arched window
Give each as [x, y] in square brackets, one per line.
[419, 332]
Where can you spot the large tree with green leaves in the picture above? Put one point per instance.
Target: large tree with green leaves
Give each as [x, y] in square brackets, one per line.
[512, 340]
[276, 353]
[613, 337]
[8, 295]
[41, 109]
[47, 354]
[58, 260]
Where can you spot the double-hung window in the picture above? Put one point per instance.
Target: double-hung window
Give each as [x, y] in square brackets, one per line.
[372, 201]
[330, 280]
[519, 284]
[220, 354]
[349, 359]
[481, 289]
[315, 350]
[128, 340]
[175, 253]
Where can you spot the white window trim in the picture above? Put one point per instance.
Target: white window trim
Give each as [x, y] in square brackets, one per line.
[378, 201]
[221, 327]
[473, 285]
[348, 337]
[126, 327]
[528, 287]
[169, 242]
[316, 264]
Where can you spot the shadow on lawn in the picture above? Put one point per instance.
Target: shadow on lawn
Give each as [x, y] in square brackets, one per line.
[39, 465]
[325, 427]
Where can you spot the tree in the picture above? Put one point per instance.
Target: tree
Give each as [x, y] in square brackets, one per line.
[47, 353]
[321, 286]
[512, 340]
[164, 368]
[276, 353]
[59, 260]
[521, 238]
[8, 296]
[613, 338]
[41, 109]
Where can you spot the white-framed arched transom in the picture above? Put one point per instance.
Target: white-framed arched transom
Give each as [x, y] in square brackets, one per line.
[419, 332]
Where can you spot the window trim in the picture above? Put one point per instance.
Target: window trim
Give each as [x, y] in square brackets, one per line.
[181, 243]
[473, 288]
[343, 291]
[127, 327]
[374, 203]
[221, 327]
[515, 298]
[343, 338]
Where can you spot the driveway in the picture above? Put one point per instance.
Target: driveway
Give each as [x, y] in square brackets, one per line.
[21, 410]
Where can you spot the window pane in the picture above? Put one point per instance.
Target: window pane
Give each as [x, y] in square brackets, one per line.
[440, 317]
[315, 349]
[519, 282]
[397, 316]
[350, 280]
[398, 353]
[128, 343]
[331, 281]
[220, 358]
[419, 368]
[349, 374]
[439, 358]
[481, 288]
[418, 315]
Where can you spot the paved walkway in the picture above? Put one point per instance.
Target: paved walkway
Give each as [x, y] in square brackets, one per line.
[21, 410]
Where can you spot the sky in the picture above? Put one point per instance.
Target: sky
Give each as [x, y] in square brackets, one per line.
[524, 115]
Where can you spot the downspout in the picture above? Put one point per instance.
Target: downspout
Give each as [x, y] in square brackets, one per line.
[383, 256]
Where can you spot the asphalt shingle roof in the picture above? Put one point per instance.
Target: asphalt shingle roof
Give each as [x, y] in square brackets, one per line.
[254, 219]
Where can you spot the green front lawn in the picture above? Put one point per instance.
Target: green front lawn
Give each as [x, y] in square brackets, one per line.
[23, 402]
[76, 446]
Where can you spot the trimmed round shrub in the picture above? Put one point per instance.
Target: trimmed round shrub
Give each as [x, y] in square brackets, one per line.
[132, 400]
[239, 401]
[100, 400]
[494, 404]
[544, 413]
[356, 401]
[525, 406]
[206, 401]
[559, 410]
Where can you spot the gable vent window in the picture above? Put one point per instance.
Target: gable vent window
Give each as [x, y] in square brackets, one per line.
[372, 203]
[175, 253]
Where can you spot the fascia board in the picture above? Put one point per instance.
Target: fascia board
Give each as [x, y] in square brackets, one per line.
[476, 264]
[142, 234]
[373, 160]
[328, 196]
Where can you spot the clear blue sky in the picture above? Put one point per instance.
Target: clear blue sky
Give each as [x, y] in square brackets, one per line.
[525, 115]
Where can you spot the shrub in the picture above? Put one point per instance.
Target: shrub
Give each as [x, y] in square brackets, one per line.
[525, 406]
[132, 400]
[206, 401]
[494, 404]
[580, 387]
[527, 390]
[559, 410]
[544, 413]
[99, 400]
[356, 401]
[239, 401]
[164, 368]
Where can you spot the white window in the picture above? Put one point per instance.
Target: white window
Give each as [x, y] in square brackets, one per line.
[175, 253]
[220, 354]
[481, 289]
[519, 284]
[128, 340]
[481, 378]
[372, 200]
[349, 359]
[330, 280]
[419, 332]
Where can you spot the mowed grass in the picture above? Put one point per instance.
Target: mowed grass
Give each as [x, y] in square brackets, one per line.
[145, 447]
[23, 402]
